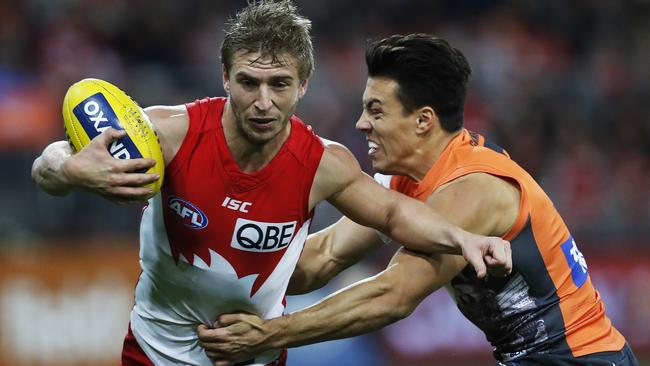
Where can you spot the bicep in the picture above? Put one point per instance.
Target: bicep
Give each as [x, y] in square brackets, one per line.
[171, 124]
[340, 180]
[365, 201]
[479, 203]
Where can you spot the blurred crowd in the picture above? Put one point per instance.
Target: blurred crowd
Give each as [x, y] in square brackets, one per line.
[563, 86]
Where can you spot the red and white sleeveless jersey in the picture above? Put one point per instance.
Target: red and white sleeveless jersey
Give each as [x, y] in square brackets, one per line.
[217, 240]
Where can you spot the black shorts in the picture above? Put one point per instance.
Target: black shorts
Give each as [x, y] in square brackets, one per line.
[624, 357]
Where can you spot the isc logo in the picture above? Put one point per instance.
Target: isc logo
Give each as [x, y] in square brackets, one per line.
[236, 205]
[256, 236]
[96, 116]
[191, 215]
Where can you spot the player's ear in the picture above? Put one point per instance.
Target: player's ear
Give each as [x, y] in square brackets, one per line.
[426, 120]
[302, 88]
[226, 82]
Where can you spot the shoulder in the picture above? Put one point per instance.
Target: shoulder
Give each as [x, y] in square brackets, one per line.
[483, 203]
[485, 189]
[166, 116]
[477, 180]
[165, 111]
[338, 164]
[171, 124]
[304, 144]
[337, 169]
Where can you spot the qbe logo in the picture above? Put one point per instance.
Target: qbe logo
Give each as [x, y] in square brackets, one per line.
[256, 236]
[189, 214]
[96, 115]
[576, 261]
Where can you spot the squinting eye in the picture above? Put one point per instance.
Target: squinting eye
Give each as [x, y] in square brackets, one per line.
[247, 83]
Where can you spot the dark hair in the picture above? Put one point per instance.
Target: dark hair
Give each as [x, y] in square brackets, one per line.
[428, 71]
[272, 28]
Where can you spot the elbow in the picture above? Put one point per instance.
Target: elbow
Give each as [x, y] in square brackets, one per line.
[306, 279]
[36, 174]
[39, 171]
[391, 221]
[39, 179]
[302, 282]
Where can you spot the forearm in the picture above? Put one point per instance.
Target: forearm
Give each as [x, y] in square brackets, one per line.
[419, 228]
[360, 308]
[403, 218]
[357, 309]
[47, 170]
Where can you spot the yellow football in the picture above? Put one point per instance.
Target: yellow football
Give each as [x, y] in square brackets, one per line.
[91, 106]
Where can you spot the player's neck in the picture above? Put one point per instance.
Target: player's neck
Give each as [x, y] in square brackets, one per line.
[250, 157]
[425, 157]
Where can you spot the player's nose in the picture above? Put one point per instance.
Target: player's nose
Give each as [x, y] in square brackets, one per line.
[363, 124]
[263, 102]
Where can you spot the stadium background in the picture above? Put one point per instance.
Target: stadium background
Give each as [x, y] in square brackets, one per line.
[562, 85]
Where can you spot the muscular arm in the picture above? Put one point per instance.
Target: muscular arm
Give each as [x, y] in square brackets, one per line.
[58, 170]
[340, 180]
[369, 304]
[479, 203]
[330, 251]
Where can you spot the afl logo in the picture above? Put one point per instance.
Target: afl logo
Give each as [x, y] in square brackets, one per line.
[190, 215]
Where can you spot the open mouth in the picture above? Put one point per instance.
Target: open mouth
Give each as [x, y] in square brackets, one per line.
[262, 123]
[372, 147]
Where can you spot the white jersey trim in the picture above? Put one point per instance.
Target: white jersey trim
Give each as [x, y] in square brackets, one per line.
[384, 180]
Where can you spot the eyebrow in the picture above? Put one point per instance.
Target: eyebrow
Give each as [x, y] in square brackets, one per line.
[244, 74]
[368, 104]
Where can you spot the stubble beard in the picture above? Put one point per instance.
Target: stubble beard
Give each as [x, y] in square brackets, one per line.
[256, 138]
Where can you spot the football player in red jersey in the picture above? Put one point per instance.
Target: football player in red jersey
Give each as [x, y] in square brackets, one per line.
[546, 312]
[246, 150]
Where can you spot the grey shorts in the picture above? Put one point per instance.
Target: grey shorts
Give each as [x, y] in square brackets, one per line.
[624, 357]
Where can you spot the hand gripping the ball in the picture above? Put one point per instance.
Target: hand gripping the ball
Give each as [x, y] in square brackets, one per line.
[95, 169]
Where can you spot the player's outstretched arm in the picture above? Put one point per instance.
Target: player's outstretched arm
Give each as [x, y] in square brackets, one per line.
[330, 251]
[340, 180]
[360, 308]
[470, 202]
[57, 170]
